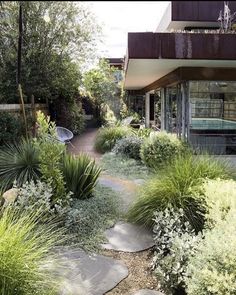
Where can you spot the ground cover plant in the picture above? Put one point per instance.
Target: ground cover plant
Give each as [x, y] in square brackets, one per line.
[123, 167]
[87, 219]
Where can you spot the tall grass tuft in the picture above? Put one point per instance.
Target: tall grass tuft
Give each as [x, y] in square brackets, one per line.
[107, 137]
[178, 185]
[25, 252]
[81, 175]
[18, 162]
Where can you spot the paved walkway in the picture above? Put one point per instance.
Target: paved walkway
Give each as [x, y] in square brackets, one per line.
[123, 237]
[84, 143]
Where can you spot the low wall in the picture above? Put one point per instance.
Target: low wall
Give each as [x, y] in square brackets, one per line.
[17, 107]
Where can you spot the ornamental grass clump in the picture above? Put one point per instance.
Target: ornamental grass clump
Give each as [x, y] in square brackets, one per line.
[81, 174]
[25, 253]
[178, 185]
[108, 136]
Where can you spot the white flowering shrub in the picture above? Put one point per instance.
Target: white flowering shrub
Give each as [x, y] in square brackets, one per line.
[175, 242]
[129, 146]
[213, 269]
[38, 196]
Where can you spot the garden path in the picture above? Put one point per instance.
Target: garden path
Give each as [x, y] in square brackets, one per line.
[84, 143]
[127, 244]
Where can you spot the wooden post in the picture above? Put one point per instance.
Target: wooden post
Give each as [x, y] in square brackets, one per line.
[23, 108]
[33, 112]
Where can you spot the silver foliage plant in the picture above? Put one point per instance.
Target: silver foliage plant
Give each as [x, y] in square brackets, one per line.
[33, 196]
[175, 243]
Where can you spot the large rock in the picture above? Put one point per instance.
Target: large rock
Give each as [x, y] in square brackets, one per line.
[10, 196]
[86, 274]
[128, 237]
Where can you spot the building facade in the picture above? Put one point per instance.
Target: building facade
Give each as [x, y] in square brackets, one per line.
[185, 74]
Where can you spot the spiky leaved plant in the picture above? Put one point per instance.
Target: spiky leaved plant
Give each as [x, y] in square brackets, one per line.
[81, 174]
[18, 162]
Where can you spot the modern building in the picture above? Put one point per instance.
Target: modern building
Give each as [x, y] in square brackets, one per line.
[185, 73]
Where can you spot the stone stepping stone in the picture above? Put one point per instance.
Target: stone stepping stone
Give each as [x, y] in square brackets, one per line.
[112, 184]
[148, 292]
[128, 237]
[86, 274]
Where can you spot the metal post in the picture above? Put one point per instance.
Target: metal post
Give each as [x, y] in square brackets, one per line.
[147, 110]
[185, 110]
[163, 109]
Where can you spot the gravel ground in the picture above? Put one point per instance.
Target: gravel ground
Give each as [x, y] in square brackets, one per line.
[140, 275]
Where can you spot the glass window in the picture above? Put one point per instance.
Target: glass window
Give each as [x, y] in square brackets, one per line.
[213, 116]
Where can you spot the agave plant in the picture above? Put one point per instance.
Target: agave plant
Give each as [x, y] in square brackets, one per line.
[80, 174]
[18, 163]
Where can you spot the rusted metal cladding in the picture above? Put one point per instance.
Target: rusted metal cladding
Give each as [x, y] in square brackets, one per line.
[199, 11]
[182, 46]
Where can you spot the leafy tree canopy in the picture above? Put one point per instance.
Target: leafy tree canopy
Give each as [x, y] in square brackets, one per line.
[99, 83]
[58, 38]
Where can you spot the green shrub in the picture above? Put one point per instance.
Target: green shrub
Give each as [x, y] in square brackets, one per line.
[175, 243]
[51, 152]
[143, 132]
[212, 270]
[11, 128]
[80, 174]
[178, 185]
[220, 199]
[18, 162]
[128, 146]
[160, 149]
[106, 137]
[76, 121]
[25, 253]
